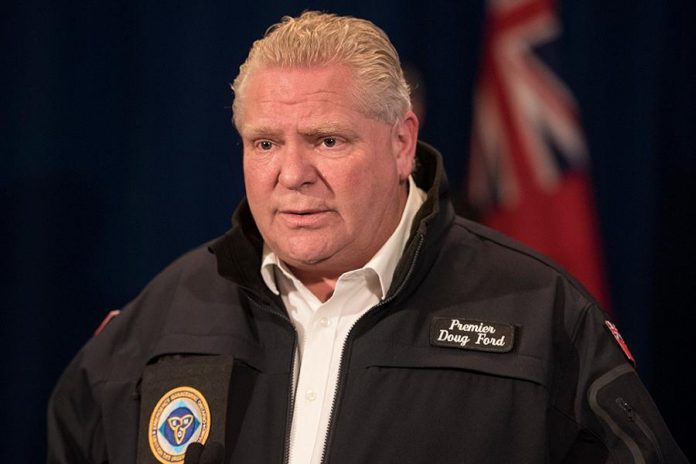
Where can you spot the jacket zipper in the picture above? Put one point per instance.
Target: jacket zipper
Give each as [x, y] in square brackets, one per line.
[291, 392]
[339, 384]
[634, 417]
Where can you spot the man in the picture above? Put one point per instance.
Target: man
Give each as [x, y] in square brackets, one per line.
[349, 316]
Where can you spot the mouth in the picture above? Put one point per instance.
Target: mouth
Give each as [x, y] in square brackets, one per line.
[304, 217]
[302, 212]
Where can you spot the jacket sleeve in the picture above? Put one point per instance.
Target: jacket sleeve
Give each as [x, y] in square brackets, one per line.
[618, 419]
[74, 422]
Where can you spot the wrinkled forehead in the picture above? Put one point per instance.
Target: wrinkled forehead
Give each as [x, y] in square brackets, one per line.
[324, 89]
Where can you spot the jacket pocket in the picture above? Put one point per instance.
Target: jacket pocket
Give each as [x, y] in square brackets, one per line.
[619, 408]
[424, 404]
[510, 365]
[184, 345]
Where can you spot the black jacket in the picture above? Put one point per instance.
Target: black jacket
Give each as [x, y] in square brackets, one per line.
[546, 382]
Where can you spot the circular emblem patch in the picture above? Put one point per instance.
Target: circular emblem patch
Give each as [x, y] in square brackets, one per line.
[180, 417]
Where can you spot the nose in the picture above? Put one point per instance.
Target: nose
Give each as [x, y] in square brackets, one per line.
[297, 169]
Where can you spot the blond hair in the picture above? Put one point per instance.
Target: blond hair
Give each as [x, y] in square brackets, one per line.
[318, 39]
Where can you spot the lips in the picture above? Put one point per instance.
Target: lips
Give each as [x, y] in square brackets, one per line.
[304, 217]
[302, 212]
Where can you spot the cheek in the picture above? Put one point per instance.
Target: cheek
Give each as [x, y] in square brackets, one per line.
[257, 192]
[367, 188]
[257, 176]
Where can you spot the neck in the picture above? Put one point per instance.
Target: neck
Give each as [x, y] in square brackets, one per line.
[322, 287]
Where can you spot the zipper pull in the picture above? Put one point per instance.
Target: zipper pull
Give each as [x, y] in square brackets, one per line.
[623, 404]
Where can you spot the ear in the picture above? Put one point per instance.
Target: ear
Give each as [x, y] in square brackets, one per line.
[404, 141]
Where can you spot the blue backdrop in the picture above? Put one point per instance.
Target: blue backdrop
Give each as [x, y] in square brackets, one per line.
[118, 155]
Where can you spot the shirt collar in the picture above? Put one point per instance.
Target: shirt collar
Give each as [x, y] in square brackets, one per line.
[383, 263]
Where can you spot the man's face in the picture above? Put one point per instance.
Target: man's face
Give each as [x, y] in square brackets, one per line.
[326, 184]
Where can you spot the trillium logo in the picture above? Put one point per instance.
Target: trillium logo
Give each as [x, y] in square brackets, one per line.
[180, 417]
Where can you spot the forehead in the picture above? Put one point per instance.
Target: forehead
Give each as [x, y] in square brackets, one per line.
[307, 92]
[304, 78]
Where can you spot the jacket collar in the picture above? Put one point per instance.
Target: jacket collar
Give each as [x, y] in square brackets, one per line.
[239, 251]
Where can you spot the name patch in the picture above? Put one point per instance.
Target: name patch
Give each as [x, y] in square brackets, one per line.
[472, 335]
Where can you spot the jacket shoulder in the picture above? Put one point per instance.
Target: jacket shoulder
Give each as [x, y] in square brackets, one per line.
[514, 259]
[166, 303]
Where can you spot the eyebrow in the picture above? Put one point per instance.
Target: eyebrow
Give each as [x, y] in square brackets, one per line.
[260, 132]
[321, 130]
[329, 128]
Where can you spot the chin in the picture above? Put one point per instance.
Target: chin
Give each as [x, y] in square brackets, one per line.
[298, 258]
[307, 251]
[310, 260]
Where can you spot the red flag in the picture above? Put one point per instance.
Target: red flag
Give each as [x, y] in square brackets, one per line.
[529, 165]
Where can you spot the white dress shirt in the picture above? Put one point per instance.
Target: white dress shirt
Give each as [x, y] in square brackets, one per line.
[322, 329]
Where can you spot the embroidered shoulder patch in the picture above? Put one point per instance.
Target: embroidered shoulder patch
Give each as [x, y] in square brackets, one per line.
[475, 335]
[181, 416]
[619, 339]
[109, 317]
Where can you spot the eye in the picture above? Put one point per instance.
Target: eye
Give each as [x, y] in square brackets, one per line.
[332, 145]
[264, 145]
[329, 142]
